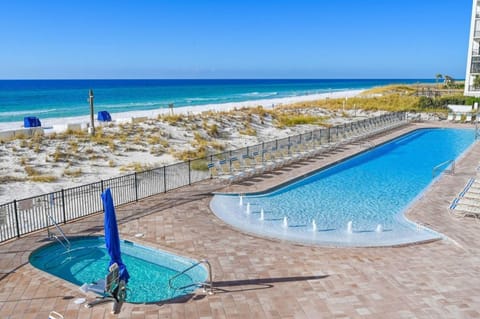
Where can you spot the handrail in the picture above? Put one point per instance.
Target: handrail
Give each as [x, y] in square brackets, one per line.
[67, 244]
[209, 290]
[452, 169]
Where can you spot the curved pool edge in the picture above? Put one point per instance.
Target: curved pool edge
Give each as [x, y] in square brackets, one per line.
[176, 258]
[332, 244]
[434, 234]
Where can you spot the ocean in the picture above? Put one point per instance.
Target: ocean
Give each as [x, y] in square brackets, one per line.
[69, 98]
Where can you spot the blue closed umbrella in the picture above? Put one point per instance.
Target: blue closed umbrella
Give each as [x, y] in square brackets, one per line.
[112, 238]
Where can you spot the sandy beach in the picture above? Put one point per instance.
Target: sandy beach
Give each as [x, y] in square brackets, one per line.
[72, 160]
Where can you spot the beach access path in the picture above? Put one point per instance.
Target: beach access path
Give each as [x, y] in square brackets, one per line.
[262, 278]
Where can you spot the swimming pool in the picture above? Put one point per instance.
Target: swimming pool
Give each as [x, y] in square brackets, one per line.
[150, 269]
[358, 202]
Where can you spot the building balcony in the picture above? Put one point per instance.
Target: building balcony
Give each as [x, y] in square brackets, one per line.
[472, 88]
[475, 68]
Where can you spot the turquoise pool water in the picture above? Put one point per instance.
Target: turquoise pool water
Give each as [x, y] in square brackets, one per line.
[370, 190]
[150, 269]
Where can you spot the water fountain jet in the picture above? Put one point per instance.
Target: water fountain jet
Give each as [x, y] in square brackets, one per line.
[285, 222]
[349, 227]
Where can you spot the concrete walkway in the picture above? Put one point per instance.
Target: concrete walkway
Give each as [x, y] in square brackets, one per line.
[262, 278]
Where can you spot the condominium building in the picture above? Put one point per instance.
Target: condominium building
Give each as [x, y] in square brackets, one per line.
[472, 77]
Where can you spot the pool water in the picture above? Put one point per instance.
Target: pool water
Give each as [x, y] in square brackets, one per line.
[150, 269]
[370, 190]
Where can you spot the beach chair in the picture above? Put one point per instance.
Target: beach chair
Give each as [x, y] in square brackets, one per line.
[450, 117]
[256, 161]
[468, 118]
[458, 117]
[111, 289]
[247, 165]
[235, 169]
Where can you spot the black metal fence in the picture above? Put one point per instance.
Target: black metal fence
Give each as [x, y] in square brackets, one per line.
[27, 215]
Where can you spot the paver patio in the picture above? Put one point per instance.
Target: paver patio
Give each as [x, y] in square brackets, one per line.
[262, 278]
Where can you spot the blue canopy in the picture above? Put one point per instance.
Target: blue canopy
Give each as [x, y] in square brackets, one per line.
[112, 238]
[104, 116]
[31, 121]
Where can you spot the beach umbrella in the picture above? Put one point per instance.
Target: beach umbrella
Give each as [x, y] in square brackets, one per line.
[112, 238]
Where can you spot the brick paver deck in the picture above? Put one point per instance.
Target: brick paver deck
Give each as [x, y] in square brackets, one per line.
[261, 278]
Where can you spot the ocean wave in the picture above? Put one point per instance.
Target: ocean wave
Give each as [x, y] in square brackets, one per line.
[130, 104]
[199, 99]
[29, 112]
[259, 94]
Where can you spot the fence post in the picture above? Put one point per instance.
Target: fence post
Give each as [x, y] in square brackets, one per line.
[101, 185]
[136, 186]
[328, 135]
[16, 217]
[63, 207]
[189, 172]
[164, 179]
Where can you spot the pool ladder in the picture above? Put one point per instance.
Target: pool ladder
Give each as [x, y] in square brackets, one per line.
[450, 171]
[207, 286]
[63, 240]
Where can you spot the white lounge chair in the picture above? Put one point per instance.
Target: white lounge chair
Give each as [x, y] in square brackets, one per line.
[468, 118]
[458, 117]
[450, 117]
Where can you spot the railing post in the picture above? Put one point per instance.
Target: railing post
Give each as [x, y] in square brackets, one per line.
[136, 186]
[63, 207]
[101, 185]
[189, 172]
[16, 217]
[328, 135]
[164, 179]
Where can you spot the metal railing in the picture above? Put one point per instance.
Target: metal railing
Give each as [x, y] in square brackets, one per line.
[207, 286]
[450, 171]
[21, 217]
[65, 243]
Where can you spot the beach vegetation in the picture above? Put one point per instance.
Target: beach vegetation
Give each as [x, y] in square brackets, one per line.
[58, 155]
[31, 171]
[43, 178]
[199, 165]
[5, 179]
[213, 130]
[248, 130]
[157, 150]
[111, 163]
[72, 172]
[21, 136]
[171, 119]
[37, 149]
[74, 133]
[288, 120]
[135, 167]
[111, 145]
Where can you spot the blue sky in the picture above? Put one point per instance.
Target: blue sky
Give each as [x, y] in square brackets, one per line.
[233, 39]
